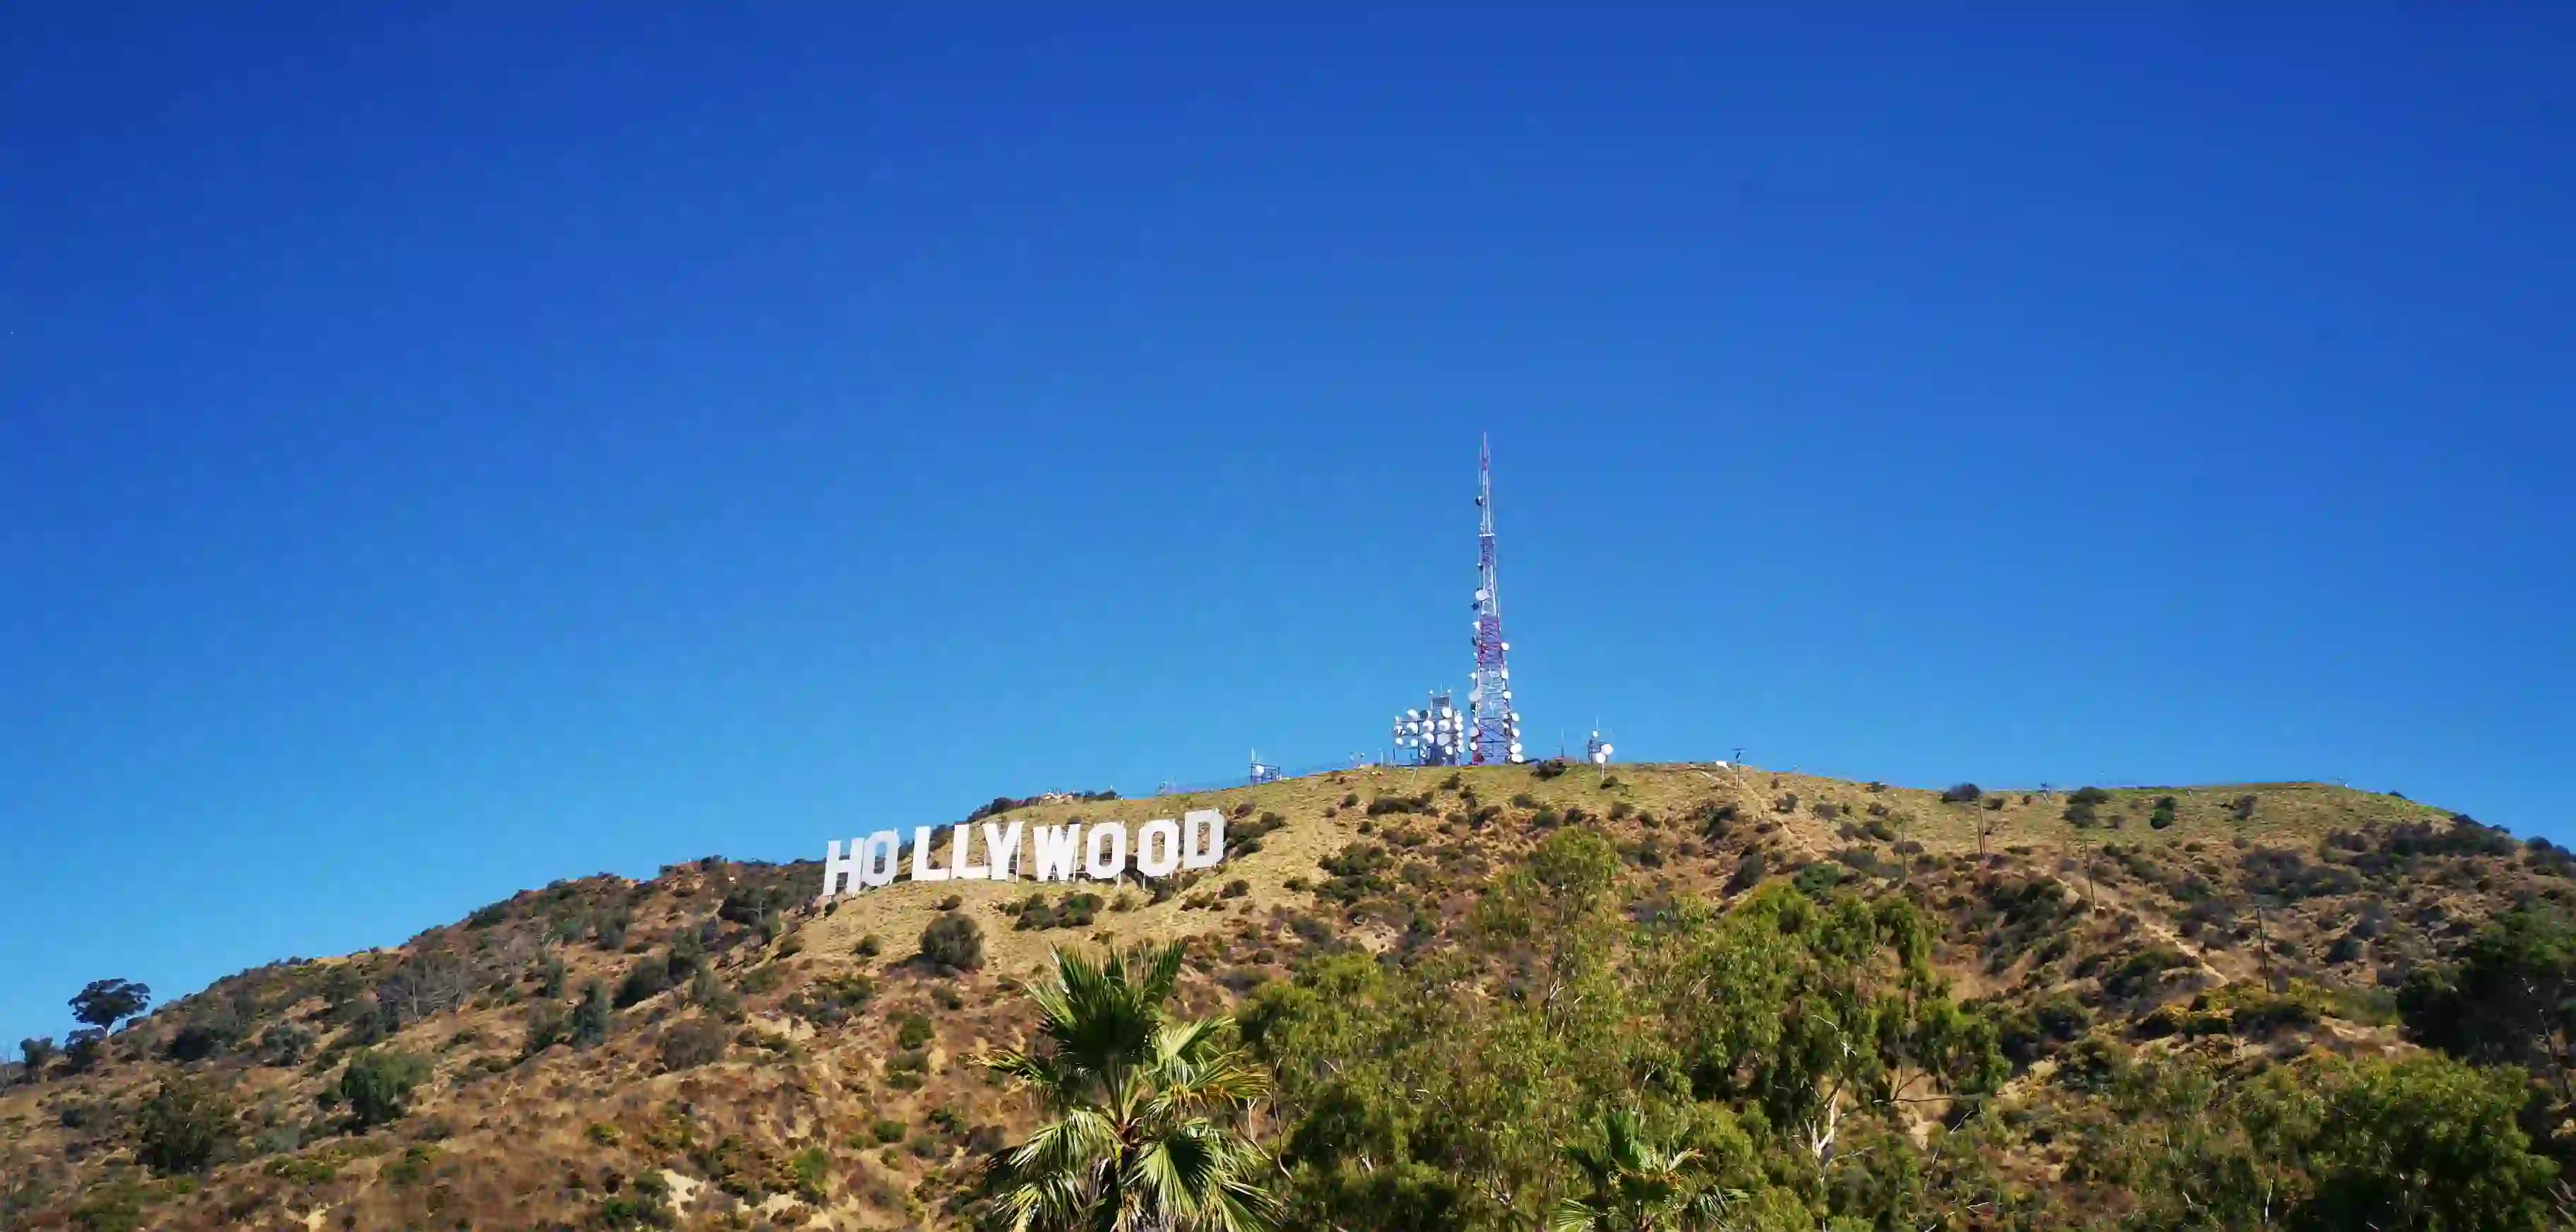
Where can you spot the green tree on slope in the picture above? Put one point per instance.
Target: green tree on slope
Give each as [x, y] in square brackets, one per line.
[1144, 1111]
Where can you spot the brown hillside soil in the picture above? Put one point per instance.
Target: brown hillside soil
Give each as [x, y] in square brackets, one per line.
[800, 1082]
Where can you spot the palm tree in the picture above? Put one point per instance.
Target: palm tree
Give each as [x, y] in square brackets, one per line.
[1636, 1186]
[1144, 1108]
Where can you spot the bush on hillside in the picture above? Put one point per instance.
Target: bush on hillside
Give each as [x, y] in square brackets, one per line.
[1961, 793]
[377, 1085]
[2082, 806]
[1076, 909]
[37, 1050]
[1749, 872]
[953, 942]
[649, 977]
[693, 1042]
[84, 1049]
[286, 1044]
[912, 1031]
[182, 1126]
[590, 1018]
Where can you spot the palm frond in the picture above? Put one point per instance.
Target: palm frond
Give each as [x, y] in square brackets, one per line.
[1576, 1215]
[1136, 1140]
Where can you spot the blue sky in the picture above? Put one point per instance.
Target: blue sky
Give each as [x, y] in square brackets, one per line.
[444, 451]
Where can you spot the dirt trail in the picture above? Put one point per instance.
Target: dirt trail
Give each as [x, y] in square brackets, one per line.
[2150, 925]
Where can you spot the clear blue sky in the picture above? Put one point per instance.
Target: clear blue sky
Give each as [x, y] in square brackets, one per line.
[446, 452]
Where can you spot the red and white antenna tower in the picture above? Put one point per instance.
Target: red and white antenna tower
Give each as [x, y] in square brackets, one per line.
[1496, 727]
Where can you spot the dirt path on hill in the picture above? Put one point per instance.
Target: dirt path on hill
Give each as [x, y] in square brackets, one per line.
[2151, 925]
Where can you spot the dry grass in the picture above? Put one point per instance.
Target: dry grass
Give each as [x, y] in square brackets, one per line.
[517, 1145]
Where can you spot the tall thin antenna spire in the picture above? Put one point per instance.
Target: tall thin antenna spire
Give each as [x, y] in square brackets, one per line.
[1496, 729]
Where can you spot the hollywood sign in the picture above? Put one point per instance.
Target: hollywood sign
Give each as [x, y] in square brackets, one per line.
[1097, 851]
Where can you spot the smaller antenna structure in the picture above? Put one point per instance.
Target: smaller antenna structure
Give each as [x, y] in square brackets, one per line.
[1435, 735]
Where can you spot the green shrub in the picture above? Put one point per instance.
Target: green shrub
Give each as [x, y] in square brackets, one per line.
[377, 1085]
[693, 1042]
[809, 1168]
[182, 1126]
[648, 978]
[912, 1031]
[953, 943]
[37, 1050]
[590, 1018]
[1749, 872]
[1076, 909]
[2083, 805]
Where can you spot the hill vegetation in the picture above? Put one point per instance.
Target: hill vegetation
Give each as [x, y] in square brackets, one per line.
[1661, 997]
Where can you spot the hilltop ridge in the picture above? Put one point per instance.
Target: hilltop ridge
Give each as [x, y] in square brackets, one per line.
[710, 1047]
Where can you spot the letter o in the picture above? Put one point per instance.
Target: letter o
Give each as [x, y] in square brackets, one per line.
[1105, 866]
[879, 859]
[1154, 859]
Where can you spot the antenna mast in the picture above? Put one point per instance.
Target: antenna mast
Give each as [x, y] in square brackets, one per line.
[1496, 729]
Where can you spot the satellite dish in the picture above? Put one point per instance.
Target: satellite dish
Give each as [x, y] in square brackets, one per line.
[1507, 645]
[1480, 595]
[1606, 750]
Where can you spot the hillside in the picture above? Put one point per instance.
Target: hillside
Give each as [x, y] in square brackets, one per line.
[748, 1060]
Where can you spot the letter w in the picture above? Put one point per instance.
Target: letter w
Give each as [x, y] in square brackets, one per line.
[1058, 848]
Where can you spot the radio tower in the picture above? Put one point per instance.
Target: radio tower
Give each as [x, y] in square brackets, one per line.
[1496, 730]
